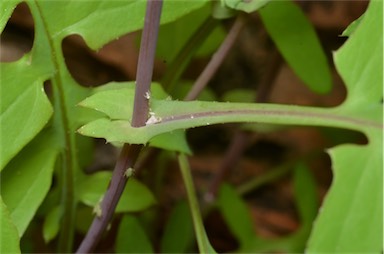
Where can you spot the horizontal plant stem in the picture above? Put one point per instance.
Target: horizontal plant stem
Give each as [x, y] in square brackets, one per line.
[216, 61]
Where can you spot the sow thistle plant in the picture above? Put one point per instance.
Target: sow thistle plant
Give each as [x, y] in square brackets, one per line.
[40, 138]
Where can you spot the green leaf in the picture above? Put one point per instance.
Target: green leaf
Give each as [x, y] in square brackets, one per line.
[247, 6]
[172, 141]
[296, 39]
[305, 193]
[51, 224]
[239, 95]
[178, 233]
[131, 237]
[9, 237]
[136, 196]
[83, 16]
[307, 206]
[351, 216]
[25, 109]
[84, 218]
[27, 179]
[236, 215]
[352, 27]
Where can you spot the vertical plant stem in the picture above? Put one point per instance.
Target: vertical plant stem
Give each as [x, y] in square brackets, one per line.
[145, 64]
[129, 153]
[202, 239]
[217, 60]
[126, 160]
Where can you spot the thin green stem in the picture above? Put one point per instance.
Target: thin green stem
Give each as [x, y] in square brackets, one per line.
[202, 239]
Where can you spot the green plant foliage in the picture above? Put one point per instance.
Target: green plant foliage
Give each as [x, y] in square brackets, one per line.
[136, 196]
[131, 237]
[239, 95]
[181, 30]
[27, 179]
[238, 219]
[9, 237]
[351, 217]
[22, 99]
[236, 215]
[296, 39]
[83, 16]
[51, 224]
[83, 220]
[178, 233]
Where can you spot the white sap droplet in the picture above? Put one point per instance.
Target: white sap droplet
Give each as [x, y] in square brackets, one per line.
[153, 119]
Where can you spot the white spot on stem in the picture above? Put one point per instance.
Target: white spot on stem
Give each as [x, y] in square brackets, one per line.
[97, 208]
[147, 95]
[153, 119]
[129, 172]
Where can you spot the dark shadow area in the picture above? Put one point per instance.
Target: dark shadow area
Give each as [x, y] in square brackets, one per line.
[84, 65]
[17, 37]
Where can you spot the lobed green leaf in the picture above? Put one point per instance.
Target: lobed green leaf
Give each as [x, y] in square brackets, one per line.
[351, 216]
[114, 18]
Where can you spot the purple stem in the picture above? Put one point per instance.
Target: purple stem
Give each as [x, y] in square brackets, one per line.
[129, 153]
